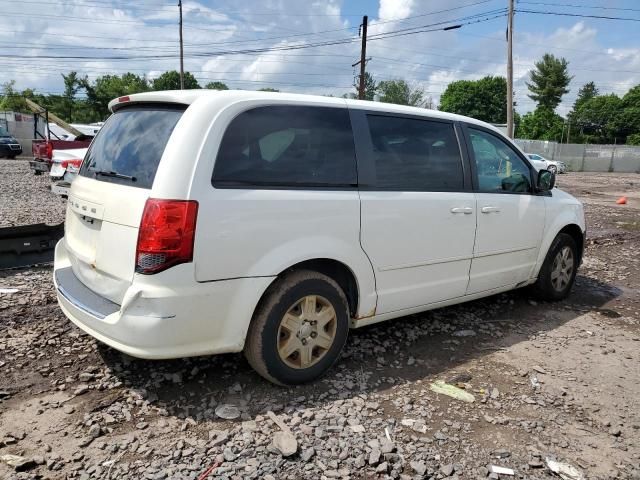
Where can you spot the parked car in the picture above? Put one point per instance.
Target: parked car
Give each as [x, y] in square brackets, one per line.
[539, 162]
[205, 222]
[9, 146]
[65, 166]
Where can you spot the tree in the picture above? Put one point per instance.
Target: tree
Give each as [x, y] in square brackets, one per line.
[71, 87]
[10, 99]
[541, 124]
[633, 139]
[629, 118]
[599, 119]
[267, 89]
[549, 81]
[108, 87]
[586, 92]
[216, 86]
[370, 87]
[400, 92]
[484, 99]
[171, 81]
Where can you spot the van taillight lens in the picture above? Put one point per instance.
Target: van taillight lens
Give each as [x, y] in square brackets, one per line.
[49, 150]
[166, 234]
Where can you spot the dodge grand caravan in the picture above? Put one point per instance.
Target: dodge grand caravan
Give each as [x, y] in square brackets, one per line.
[204, 222]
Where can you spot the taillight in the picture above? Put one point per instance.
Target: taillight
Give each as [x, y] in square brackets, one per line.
[76, 162]
[49, 150]
[166, 234]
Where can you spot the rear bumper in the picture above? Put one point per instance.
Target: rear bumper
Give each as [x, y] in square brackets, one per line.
[160, 320]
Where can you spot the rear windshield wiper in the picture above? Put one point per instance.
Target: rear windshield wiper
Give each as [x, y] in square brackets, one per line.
[108, 173]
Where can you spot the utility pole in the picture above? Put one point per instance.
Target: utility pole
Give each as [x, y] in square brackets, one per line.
[181, 49]
[510, 72]
[363, 57]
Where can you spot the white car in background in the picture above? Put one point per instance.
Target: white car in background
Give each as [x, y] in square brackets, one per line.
[541, 163]
[65, 165]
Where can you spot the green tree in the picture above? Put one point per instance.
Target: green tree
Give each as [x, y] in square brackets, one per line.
[484, 99]
[370, 87]
[549, 81]
[629, 118]
[267, 89]
[599, 119]
[171, 81]
[108, 87]
[401, 93]
[216, 86]
[633, 139]
[586, 92]
[541, 124]
[71, 87]
[11, 99]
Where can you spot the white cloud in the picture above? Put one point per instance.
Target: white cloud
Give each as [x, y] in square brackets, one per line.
[213, 30]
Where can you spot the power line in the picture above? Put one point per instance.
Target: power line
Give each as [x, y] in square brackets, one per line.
[579, 6]
[564, 14]
[422, 29]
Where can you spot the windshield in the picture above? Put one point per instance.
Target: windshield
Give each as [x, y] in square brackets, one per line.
[129, 146]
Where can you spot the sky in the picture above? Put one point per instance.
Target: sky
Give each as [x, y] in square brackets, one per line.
[309, 46]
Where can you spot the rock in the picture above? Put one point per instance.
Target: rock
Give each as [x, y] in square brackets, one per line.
[382, 468]
[228, 411]
[374, 456]
[307, 454]
[95, 431]
[285, 443]
[464, 333]
[81, 390]
[419, 467]
[447, 470]
[229, 456]
[387, 446]
[69, 409]
[495, 393]
[616, 432]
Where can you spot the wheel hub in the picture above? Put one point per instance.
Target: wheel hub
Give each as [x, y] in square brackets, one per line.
[306, 332]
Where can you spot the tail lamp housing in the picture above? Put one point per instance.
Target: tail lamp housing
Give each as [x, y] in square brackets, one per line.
[166, 234]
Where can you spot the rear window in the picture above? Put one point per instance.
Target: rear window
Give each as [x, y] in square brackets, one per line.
[287, 147]
[128, 148]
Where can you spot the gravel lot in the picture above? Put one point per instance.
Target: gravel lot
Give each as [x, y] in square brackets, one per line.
[558, 381]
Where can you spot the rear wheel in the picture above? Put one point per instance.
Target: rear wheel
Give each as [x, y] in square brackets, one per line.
[558, 271]
[299, 328]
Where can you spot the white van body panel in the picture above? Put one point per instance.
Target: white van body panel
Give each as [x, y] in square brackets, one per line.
[411, 252]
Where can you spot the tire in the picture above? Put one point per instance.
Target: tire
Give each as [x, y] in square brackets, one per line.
[281, 312]
[551, 286]
[11, 157]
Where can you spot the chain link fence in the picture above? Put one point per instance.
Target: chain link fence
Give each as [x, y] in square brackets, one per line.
[587, 158]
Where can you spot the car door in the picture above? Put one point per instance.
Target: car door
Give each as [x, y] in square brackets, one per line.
[510, 214]
[417, 208]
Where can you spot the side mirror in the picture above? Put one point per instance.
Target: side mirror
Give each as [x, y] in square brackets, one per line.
[546, 180]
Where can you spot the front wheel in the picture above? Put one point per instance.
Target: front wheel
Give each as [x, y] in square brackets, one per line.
[299, 328]
[553, 169]
[559, 269]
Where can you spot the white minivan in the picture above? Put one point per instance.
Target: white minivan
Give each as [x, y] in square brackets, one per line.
[204, 222]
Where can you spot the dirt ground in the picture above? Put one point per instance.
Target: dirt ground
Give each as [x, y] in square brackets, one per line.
[550, 380]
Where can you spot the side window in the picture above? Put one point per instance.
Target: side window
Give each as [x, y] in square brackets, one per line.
[415, 155]
[499, 167]
[287, 146]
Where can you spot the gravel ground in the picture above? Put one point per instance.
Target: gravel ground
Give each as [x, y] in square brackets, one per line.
[27, 198]
[558, 381]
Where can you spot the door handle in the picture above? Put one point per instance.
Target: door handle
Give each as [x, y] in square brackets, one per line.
[490, 209]
[465, 210]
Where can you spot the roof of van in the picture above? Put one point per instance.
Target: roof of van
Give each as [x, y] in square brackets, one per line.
[188, 97]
